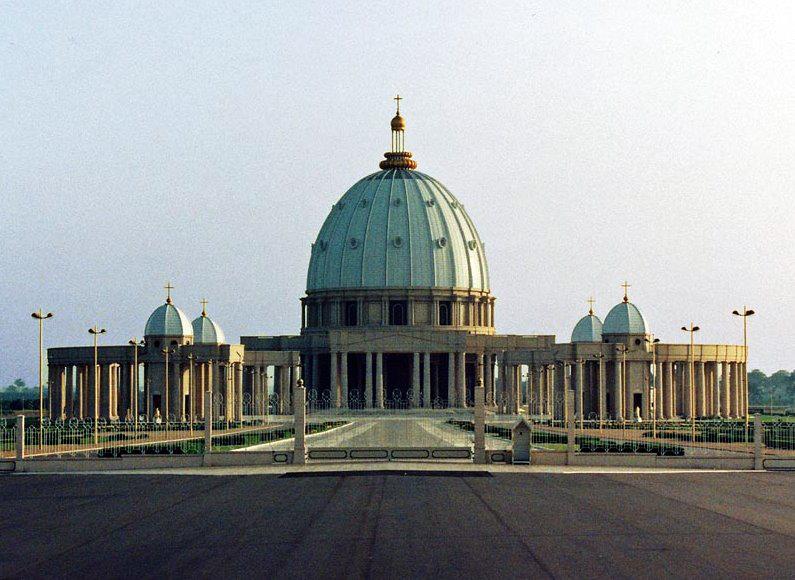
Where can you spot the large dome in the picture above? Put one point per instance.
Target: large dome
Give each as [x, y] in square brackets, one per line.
[168, 320]
[398, 229]
[624, 318]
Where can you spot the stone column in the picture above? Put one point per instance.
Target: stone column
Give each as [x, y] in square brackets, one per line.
[70, 392]
[618, 389]
[658, 391]
[689, 397]
[668, 390]
[712, 385]
[735, 390]
[461, 390]
[256, 392]
[368, 380]
[333, 382]
[426, 381]
[104, 391]
[124, 407]
[725, 400]
[629, 407]
[415, 380]
[549, 395]
[541, 380]
[701, 399]
[59, 394]
[315, 374]
[479, 424]
[239, 391]
[578, 403]
[451, 379]
[80, 392]
[379, 380]
[488, 380]
[602, 404]
[344, 378]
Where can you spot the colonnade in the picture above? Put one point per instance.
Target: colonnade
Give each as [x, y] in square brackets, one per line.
[285, 379]
[615, 389]
[118, 397]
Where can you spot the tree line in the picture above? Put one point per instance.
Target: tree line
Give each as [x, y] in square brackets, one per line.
[776, 389]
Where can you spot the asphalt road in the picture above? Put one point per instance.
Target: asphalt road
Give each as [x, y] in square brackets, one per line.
[395, 525]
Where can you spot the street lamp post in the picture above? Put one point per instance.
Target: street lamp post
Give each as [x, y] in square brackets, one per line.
[745, 314]
[655, 385]
[692, 329]
[41, 317]
[134, 391]
[95, 332]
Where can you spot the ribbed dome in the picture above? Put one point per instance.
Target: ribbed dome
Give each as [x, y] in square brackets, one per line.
[207, 331]
[588, 329]
[624, 318]
[168, 320]
[398, 229]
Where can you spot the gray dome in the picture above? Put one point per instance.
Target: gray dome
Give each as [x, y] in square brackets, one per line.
[207, 331]
[168, 320]
[398, 229]
[588, 329]
[624, 318]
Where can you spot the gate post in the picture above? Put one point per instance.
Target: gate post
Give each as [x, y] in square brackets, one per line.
[759, 434]
[21, 437]
[571, 439]
[480, 424]
[208, 421]
[299, 407]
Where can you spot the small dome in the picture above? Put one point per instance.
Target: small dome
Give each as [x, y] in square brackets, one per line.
[624, 318]
[588, 329]
[398, 123]
[206, 331]
[168, 320]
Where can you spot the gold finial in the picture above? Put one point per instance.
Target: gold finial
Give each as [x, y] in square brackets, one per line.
[590, 305]
[203, 302]
[168, 287]
[397, 157]
[626, 287]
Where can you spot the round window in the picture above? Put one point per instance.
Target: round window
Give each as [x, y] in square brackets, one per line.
[354, 243]
[441, 242]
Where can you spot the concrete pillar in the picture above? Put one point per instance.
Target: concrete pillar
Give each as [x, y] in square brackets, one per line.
[299, 402]
[426, 381]
[488, 380]
[379, 380]
[541, 388]
[451, 379]
[416, 388]
[668, 390]
[735, 390]
[744, 381]
[701, 390]
[461, 392]
[104, 391]
[20, 440]
[344, 378]
[208, 422]
[333, 381]
[602, 404]
[758, 441]
[725, 399]
[571, 439]
[256, 392]
[549, 394]
[629, 407]
[239, 391]
[479, 424]
[714, 388]
[368, 380]
[689, 398]
[578, 403]
[618, 390]
[659, 407]
[69, 410]
[59, 400]
[124, 406]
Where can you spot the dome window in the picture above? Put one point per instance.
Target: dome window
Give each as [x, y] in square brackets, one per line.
[396, 201]
[341, 205]
[323, 245]
[472, 244]
[441, 242]
[354, 243]
[430, 202]
[397, 241]
[363, 203]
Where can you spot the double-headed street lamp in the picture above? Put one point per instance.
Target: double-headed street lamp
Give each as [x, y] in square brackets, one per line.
[135, 343]
[653, 342]
[745, 314]
[95, 332]
[41, 317]
[692, 329]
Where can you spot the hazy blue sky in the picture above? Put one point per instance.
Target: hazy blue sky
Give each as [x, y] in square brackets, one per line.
[204, 143]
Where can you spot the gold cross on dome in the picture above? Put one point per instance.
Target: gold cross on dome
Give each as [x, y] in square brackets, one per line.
[398, 98]
[626, 287]
[590, 305]
[168, 287]
[203, 302]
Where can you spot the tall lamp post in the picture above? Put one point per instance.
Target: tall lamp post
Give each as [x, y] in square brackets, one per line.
[653, 342]
[692, 396]
[95, 332]
[745, 314]
[41, 317]
[134, 391]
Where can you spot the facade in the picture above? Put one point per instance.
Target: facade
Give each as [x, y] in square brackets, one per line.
[399, 313]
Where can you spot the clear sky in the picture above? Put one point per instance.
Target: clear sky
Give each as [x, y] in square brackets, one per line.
[204, 143]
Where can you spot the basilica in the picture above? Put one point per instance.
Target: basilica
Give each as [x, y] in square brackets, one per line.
[398, 313]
